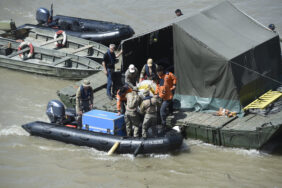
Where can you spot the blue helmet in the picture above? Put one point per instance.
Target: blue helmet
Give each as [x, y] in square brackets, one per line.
[271, 26]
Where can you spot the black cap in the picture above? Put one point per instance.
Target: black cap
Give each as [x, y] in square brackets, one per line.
[177, 10]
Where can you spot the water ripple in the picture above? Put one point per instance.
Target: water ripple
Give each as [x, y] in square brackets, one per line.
[13, 130]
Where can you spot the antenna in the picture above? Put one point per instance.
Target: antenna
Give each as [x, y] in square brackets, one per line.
[51, 12]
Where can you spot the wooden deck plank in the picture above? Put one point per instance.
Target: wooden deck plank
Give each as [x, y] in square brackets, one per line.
[202, 119]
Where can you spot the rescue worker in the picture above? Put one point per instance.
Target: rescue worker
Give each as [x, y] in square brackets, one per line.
[109, 61]
[149, 108]
[84, 100]
[132, 118]
[165, 90]
[121, 98]
[149, 71]
[131, 76]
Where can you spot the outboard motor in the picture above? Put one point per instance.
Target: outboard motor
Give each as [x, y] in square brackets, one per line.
[55, 111]
[42, 15]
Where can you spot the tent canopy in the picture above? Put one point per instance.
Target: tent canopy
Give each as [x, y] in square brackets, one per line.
[226, 30]
[221, 57]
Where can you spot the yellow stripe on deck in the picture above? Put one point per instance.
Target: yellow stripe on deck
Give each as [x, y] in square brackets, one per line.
[264, 100]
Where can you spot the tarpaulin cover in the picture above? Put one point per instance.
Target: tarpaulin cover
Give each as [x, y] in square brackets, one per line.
[221, 57]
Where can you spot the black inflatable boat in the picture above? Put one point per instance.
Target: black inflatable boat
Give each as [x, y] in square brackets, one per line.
[98, 31]
[62, 130]
[171, 141]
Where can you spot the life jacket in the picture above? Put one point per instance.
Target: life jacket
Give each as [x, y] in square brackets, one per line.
[111, 58]
[150, 105]
[133, 101]
[148, 72]
[148, 97]
[85, 95]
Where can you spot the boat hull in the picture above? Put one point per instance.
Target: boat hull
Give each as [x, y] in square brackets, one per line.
[170, 142]
[98, 31]
[74, 45]
[36, 68]
[252, 131]
[48, 62]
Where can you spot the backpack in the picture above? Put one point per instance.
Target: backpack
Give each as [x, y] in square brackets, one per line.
[132, 100]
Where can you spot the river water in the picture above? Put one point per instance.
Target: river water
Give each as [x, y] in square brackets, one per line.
[28, 162]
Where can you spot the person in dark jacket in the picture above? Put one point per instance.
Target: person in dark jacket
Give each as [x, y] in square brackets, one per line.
[84, 100]
[109, 61]
[149, 71]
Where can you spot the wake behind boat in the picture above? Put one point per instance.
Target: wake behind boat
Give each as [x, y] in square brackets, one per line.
[26, 57]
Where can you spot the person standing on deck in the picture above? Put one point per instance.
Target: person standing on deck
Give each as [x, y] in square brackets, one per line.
[149, 71]
[84, 100]
[132, 117]
[131, 76]
[165, 90]
[149, 108]
[109, 61]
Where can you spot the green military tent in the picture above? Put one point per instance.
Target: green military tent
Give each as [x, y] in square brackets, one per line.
[221, 57]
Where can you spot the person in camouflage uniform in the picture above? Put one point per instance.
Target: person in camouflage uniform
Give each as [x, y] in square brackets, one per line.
[84, 100]
[149, 108]
[131, 76]
[132, 118]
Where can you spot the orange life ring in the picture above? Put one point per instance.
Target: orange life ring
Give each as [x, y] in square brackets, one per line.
[58, 33]
[31, 50]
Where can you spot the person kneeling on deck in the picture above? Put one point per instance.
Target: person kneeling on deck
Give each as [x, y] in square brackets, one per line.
[165, 90]
[84, 100]
[149, 108]
[132, 118]
[121, 98]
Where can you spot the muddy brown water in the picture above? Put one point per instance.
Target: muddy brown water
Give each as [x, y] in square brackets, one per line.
[28, 162]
